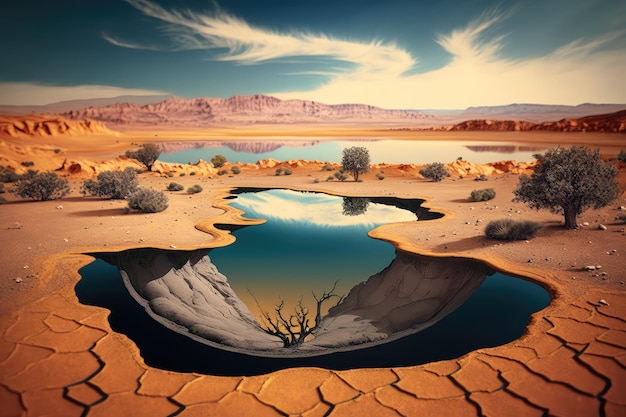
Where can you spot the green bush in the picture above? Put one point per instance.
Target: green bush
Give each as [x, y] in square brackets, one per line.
[147, 200]
[174, 186]
[194, 189]
[235, 170]
[508, 229]
[115, 185]
[42, 187]
[434, 172]
[218, 161]
[483, 195]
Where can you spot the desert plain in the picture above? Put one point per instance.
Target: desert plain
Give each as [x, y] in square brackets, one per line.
[61, 358]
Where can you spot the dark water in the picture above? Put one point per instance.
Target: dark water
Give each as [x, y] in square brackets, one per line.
[308, 242]
[495, 314]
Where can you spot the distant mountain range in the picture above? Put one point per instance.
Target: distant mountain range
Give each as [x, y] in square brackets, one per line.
[150, 112]
[205, 112]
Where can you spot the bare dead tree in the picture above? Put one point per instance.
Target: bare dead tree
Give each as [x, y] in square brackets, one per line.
[293, 330]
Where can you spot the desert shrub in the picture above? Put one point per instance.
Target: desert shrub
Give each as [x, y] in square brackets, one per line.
[222, 172]
[621, 156]
[434, 172]
[316, 180]
[6, 175]
[115, 185]
[327, 168]
[2, 200]
[170, 174]
[483, 195]
[57, 150]
[44, 186]
[182, 174]
[279, 171]
[380, 175]
[218, 161]
[147, 154]
[341, 176]
[509, 229]
[287, 171]
[235, 170]
[174, 186]
[195, 189]
[27, 163]
[481, 177]
[147, 200]
[192, 173]
[330, 178]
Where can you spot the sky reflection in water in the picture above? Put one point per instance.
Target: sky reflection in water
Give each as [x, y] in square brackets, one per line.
[381, 151]
[307, 244]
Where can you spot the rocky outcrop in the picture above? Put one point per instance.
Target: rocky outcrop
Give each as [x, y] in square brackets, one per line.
[605, 123]
[50, 125]
[202, 112]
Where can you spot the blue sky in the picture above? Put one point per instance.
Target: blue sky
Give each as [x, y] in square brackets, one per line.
[409, 54]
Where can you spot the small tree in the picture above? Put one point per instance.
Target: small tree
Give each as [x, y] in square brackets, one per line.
[147, 200]
[434, 172]
[569, 181]
[293, 330]
[356, 160]
[147, 154]
[42, 186]
[218, 161]
[354, 206]
[115, 185]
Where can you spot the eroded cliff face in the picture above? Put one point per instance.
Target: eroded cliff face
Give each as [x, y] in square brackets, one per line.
[185, 292]
[50, 125]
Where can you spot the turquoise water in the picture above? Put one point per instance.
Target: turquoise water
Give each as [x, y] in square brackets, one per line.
[308, 243]
[381, 151]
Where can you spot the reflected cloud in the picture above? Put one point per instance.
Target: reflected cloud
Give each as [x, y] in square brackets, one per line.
[316, 209]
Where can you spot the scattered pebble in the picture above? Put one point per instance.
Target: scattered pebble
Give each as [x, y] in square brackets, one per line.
[601, 227]
[59, 207]
[586, 224]
[18, 280]
[590, 268]
[603, 302]
[173, 246]
[66, 240]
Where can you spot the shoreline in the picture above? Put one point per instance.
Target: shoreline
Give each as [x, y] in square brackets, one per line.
[43, 312]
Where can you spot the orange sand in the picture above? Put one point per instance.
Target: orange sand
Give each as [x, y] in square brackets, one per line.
[58, 357]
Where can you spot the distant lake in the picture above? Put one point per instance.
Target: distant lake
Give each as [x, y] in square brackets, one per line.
[381, 151]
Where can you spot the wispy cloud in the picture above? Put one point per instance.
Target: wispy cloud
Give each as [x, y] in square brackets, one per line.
[246, 44]
[36, 94]
[383, 74]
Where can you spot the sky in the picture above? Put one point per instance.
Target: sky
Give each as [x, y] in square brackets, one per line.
[396, 54]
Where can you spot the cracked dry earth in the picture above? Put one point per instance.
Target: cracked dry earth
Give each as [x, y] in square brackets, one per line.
[60, 358]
